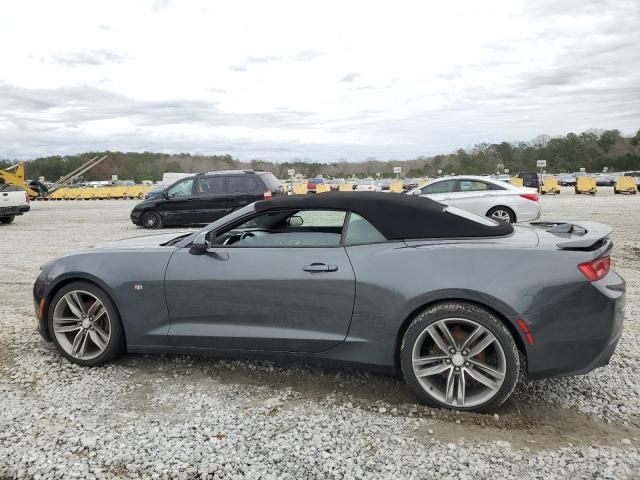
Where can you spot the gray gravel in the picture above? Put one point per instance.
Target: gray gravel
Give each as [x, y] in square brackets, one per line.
[176, 416]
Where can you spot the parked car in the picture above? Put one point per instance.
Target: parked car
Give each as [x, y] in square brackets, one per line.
[203, 198]
[566, 179]
[313, 182]
[156, 192]
[484, 196]
[13, 202]
[438, 299]
[604, 180]
[409, 184]
[529, 179]
[368, 186]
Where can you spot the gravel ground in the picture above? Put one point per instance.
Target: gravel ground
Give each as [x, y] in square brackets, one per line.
[179, 416]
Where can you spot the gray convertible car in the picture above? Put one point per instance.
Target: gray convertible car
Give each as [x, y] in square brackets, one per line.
[457, 302]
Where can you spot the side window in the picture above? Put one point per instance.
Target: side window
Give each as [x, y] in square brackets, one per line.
[304, 228]
[360, 230]
[242, 184]
[181, 189]
[445, 186]
[210, 185]
[473, 186]
[321, 218]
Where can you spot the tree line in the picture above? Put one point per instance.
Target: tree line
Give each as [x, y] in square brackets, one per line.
[593, 150]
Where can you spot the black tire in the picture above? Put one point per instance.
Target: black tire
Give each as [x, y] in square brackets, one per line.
[505, 211]
[7, 220]
[466, 311]
[116, 346]
[151, 220]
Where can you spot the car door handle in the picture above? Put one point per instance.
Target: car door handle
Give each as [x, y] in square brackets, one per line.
[320, 267]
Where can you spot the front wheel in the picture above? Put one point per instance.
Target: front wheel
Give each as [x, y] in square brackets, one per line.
[84, 325]
[458, 355]
[7, 220]
[502, 214]
[151, 220]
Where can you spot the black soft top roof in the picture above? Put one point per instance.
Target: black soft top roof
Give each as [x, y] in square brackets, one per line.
[396, 216]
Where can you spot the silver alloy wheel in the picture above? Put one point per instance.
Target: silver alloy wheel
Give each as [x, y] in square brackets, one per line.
[459, 362]
[81, 324]
[150, 220]
[501, 215]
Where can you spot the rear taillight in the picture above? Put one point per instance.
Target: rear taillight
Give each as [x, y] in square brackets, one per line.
[267, 195]
[26, 197]
[595, 270]
[530, 196]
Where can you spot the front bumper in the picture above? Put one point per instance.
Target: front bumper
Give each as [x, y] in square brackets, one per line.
[580, 332]
[135, 217]
[40, 290]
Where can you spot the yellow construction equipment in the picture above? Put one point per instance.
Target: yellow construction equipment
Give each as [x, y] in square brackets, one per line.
[396, 187]
[549, 185]
[517, 182]
[16, 178]
[625, 184]
[300, 189]
[101, 193]
[323, 187]
[345, 187]
[586, 185]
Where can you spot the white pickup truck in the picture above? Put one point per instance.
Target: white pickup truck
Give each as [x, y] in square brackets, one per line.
[13, 201]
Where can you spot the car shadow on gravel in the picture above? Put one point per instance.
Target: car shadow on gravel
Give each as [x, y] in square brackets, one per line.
[524, 423]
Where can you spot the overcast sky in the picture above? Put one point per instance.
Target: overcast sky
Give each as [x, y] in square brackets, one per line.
[319, 80]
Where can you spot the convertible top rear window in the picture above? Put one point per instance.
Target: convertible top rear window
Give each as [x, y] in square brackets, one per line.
[490, 222]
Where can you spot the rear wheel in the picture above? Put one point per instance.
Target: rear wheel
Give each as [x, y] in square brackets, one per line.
[7, 220]
[503, 214]
[459, 356]
[151, 220]
[84, 325]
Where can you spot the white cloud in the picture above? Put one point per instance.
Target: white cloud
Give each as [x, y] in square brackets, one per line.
[322, 80]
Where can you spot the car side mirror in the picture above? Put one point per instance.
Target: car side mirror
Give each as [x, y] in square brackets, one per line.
[295, 221]
[199, 245]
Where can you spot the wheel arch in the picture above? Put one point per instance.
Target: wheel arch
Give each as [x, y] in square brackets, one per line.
[515, 333]
[66, 280]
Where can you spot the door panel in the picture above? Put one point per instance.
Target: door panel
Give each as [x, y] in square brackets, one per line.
[477, 202]
[245, 189]
[179, 207]
[260, 298]
[472, 195]
[212, 200]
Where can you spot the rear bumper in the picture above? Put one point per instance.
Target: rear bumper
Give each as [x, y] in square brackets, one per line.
[580, 332]
[12, 211]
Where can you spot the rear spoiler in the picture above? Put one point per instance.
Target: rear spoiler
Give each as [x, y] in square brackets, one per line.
[576, 234]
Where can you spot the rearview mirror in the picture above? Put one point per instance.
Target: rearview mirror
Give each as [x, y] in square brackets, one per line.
[199, 245]
[295, 221]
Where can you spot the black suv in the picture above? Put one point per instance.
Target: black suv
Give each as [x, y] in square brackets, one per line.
[530, 179]
[205, 197]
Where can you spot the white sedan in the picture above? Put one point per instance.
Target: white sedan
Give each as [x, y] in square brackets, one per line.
[484, 196]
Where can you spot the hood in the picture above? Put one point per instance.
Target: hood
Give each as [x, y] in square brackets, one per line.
[145, 240]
